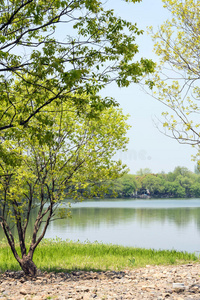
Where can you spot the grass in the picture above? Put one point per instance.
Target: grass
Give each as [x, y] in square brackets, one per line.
[66, 256]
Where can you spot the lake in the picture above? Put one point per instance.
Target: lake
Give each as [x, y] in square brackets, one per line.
[159, 224]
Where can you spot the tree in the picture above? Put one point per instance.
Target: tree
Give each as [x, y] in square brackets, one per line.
[154, 184]
[62, 49]
[195, 189]
[144, 171]
[176, 82]
[52, 161]
[55, 57]
[183, 171]
[125, 186]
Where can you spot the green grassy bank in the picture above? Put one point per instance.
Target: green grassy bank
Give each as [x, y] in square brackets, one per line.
[56, 255]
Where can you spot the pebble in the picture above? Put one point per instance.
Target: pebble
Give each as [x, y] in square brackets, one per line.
[152, 282]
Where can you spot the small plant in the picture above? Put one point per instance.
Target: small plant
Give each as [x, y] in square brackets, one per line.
[132, 261]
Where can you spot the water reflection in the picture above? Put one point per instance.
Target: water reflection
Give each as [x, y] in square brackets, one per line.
[87, 217]
[127, 223]
[166, 228]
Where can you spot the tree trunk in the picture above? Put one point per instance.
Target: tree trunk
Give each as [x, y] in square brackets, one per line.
[28, 266]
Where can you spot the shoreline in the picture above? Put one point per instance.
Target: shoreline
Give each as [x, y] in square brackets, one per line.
[103, 272]
[68, 256]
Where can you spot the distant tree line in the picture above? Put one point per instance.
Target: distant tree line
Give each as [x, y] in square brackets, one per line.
[181, 183]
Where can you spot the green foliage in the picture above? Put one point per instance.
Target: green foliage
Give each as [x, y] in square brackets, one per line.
[52, 50]
[176, 80]
[180, 183]
[153, 184]
[57, 134]
[59, 154]
[143, 171]
[125, 186]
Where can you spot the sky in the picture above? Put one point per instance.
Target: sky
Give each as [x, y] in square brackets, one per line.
[147, 148]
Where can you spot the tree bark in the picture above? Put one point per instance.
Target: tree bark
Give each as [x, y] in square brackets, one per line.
[28, 266]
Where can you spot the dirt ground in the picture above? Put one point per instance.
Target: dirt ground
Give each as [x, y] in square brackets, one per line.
[151, 282]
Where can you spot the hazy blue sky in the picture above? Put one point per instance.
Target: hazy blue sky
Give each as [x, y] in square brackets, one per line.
[147, 147]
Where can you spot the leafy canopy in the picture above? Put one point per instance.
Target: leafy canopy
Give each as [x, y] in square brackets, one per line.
[176, 82]
[54, 160]
[62, 49]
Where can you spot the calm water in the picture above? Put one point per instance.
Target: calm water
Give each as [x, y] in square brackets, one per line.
[158, 224]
